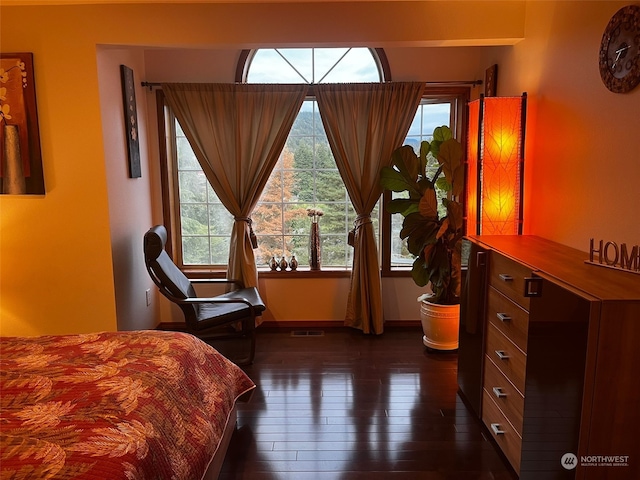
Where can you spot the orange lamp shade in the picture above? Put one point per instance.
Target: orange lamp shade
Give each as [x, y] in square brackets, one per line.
[495, 152]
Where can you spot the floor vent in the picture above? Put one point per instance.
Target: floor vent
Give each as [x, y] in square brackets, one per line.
[307, 333]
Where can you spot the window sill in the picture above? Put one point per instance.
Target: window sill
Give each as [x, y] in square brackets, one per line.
[299, 273]
[305, 273]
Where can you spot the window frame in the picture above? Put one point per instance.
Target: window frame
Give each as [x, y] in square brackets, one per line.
[170, 194]
[246, 55]
[458, 95]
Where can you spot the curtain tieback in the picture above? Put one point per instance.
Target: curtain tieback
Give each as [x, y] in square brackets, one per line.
[360, 220]
[252, 236]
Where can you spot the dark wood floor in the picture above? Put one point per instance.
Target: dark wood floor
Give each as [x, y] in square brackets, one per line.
[352, 406]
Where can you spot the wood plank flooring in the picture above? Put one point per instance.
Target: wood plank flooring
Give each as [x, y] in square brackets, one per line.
[351, 406]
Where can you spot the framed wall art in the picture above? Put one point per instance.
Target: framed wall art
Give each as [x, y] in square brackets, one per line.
[131, 121]
[21, 170]
[491, 81]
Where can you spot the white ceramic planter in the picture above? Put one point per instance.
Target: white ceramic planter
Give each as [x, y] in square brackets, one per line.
[439, 324]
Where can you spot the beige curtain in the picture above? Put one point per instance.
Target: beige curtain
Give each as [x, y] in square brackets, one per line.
[364, 124]
[237, 132]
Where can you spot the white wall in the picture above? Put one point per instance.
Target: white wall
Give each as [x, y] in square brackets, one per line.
[130, 211]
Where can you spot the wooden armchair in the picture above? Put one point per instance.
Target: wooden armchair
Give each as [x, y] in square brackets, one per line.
[228, 315]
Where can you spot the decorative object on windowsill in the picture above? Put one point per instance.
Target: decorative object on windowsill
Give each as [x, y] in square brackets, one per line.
[315, 252]
[433, 234]
[21, 172]
[293, 263]
[273, 264]
[283, 264]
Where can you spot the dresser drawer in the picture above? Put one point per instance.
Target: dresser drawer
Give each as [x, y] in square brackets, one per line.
[508, 277]
[502, 431]
[504, 394]
[509, 318]
[510, 359]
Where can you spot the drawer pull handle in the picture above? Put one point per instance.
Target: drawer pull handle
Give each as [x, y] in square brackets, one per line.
[533, 287]
[504, 317]
[502, 355]
[506, 277]
[496, 429]
[497, 391]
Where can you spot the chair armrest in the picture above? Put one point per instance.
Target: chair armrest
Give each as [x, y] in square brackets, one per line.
[213, 300]
[217, 280]
[189, 300]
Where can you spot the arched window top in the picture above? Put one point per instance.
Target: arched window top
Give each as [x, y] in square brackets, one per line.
[313, 65]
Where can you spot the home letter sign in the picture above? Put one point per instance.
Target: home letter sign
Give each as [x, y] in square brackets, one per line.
[609, 254]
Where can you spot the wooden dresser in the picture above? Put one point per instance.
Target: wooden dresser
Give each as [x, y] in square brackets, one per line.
[560, 363]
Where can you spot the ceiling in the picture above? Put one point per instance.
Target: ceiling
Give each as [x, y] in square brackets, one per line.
[93, 2]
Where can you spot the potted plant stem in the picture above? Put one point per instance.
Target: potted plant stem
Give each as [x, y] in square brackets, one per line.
[433, 230]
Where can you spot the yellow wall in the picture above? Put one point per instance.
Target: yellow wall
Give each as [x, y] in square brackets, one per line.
[55, 251]
[583, 153]
[61, 254]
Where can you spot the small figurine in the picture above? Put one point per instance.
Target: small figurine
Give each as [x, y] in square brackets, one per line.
[283, 264]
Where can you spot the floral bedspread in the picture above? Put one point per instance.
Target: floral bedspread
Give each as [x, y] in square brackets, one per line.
[144, 405]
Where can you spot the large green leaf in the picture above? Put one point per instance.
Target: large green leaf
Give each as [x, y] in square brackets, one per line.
[419, 272]
[393, 180]
[424, 184]
[442, 133]
[425, 148]
[443, 184]
[443, 228]
[454, 214]
[428, 205]
[458, 181]
[418, 231]
[404, 206]
[404, 159]
[450, 157]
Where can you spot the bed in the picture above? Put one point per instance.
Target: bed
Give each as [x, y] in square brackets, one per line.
[143, 405]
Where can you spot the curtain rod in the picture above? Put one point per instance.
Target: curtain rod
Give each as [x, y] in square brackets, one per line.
[473, 83]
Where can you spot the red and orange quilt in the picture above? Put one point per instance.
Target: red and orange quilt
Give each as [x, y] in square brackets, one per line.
[122, 405]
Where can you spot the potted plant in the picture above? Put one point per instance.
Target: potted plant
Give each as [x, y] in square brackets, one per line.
[433, 229]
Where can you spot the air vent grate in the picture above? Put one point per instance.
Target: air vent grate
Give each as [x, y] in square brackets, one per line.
[307, 333]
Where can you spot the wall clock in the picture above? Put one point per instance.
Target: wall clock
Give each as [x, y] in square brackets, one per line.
[619, 58]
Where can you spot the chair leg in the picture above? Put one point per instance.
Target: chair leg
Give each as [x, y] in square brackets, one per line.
[249, 331]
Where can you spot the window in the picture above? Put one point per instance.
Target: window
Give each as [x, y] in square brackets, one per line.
[440, 106]
[205, 223]
[431, 113]
[305, 176]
